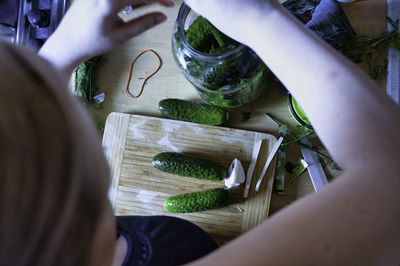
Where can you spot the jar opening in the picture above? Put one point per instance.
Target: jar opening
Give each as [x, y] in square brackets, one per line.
[186, 16]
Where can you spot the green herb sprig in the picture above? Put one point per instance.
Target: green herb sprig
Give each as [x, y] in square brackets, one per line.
[86, 78]
[299, 168]
[371, 50]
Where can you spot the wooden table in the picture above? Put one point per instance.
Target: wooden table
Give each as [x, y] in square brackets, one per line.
[367, 18]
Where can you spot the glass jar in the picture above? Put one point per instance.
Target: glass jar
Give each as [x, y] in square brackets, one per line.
[231, 79]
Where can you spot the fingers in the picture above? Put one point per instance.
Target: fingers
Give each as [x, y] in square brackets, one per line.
[166, 2]
[202, 7]
[139, 25]
[145, 2]
[193, 4]
[162, 2]
[120, 4]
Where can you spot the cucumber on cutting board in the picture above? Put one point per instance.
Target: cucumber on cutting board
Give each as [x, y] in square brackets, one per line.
[198, 201]
[189, 165]
[193, 112]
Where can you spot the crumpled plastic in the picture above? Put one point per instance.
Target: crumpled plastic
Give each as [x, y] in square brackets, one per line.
[326, 18]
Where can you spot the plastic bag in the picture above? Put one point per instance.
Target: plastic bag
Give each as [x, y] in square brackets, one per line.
[324, 17]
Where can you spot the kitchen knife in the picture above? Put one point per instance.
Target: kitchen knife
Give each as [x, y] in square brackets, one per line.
[314, 167]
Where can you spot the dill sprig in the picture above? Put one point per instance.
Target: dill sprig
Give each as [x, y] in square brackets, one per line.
[371, 50]
[86, 78]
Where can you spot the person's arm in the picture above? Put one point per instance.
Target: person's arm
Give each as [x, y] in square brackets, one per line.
[356, 219]
[92, 27]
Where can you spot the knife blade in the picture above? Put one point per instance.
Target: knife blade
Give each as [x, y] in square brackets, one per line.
[315, 170]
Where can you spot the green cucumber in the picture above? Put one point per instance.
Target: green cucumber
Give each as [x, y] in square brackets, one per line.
[193, 112]
[189, 165]
[198, 201]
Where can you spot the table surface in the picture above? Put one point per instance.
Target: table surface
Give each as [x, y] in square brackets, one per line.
[366, 17]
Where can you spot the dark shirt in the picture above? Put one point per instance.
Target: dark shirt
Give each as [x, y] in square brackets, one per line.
[162, 240]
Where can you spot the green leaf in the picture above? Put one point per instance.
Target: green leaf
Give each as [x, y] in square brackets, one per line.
[299, 168]
[299, 137]
[371, 49]
[396, 42]
[283, 130]
[279, 180]
[86, 78]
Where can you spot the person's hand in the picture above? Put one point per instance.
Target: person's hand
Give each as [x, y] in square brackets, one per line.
[92, 27]
[238, 19]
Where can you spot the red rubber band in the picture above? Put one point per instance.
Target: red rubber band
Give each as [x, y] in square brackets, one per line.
[127, 92]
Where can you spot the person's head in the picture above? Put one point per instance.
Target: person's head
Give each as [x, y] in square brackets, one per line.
[53, 175]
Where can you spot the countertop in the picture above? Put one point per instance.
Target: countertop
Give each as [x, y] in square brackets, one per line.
[366, 17]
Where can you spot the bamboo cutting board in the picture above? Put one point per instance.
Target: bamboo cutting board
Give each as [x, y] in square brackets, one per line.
[137, 188]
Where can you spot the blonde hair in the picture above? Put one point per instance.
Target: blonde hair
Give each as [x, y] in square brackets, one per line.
[53, 176]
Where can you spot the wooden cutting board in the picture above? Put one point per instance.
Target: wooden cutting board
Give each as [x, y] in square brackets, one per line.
[137, 188]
